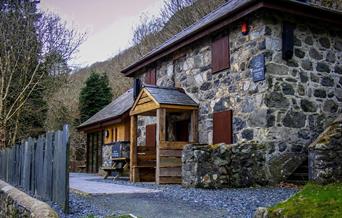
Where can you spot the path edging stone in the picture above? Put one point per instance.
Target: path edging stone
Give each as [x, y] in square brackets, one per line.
[15, 203]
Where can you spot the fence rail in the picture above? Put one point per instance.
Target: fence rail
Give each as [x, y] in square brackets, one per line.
[39, 166]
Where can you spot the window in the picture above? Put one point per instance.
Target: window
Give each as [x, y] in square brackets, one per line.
[223, 127]
[220, 54]
[151, 77]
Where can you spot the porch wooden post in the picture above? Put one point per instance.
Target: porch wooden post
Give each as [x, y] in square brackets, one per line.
[133, 150]
[161, 137]
[194, 126]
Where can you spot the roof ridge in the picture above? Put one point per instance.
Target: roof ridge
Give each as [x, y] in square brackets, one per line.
[162, 87]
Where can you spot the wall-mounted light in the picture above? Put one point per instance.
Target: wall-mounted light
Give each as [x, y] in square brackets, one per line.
[244, 27]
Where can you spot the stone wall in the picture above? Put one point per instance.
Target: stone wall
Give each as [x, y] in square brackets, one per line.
[236, 165]
[325, 155]
[107, 155]
[107, 152]
[305, 93]
[286, 111]
[291, 107]
[15, 203]
[223, 165]
[141, 134]
[228, 89]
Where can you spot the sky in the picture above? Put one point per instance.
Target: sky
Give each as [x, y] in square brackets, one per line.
[107, 23]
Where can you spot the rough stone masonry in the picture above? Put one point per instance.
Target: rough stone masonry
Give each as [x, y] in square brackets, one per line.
[286, 111]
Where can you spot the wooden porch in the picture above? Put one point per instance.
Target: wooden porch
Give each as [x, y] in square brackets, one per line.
[161, 163]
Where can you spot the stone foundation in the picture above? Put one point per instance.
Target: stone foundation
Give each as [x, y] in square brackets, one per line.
[237, 165]
[15, 203]
[325, 155]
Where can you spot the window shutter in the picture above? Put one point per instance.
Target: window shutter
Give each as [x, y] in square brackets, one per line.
[151, 77]
[147, 77]
[151, 135]
[223, 127]
[220, 54]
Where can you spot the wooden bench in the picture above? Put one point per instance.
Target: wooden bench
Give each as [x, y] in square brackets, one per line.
[118, 165]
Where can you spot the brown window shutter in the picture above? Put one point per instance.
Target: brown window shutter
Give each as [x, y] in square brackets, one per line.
[220, 54]
[147, 77]
[151, 77]
[151, 135]
[223, 127]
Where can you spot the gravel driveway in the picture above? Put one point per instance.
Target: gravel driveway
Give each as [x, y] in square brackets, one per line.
[173, 201]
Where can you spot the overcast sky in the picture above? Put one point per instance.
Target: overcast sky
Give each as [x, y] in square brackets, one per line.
[108, 23]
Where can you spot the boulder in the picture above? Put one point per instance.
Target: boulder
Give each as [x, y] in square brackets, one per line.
[325, 154]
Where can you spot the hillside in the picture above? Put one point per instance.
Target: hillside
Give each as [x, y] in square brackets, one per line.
[63, 105]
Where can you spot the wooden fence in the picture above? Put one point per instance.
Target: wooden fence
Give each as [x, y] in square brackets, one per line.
[40, 166]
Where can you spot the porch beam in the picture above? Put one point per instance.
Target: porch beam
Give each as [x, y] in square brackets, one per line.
[194, 126]
[133, 150]
[161, 137]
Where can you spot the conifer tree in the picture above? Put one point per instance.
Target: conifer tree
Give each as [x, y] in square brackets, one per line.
[95, 95]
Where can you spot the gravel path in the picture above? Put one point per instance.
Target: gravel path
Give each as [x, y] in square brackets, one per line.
[175, 201]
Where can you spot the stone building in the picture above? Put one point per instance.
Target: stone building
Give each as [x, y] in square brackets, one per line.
[263, 71]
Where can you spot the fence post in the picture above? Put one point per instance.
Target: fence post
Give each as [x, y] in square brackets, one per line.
[39, 160]
[56, 162]
[2, 164]
[32, 145]
[48, 163]
[27, 166]
[64, 168]
[22, 160]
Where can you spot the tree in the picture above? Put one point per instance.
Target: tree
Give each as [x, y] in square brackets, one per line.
[32, 45]
[175, 16]
[94, 95]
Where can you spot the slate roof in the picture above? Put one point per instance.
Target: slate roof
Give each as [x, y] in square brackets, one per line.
[222, 12]
[115, 109]
[172, 96]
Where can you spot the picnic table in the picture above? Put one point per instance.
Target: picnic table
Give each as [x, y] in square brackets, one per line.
[118, 165]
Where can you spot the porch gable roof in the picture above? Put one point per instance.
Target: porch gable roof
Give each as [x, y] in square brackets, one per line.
[154, 97]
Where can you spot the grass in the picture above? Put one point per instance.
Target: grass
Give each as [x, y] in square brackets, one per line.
[312, 201]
